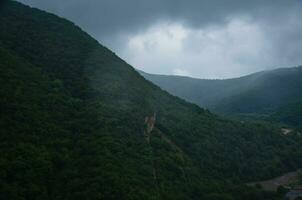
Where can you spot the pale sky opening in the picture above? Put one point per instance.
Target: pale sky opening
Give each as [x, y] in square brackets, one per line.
[214, 52]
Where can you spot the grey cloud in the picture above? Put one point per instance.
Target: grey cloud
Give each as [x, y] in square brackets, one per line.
[101, 17]
[115, 22]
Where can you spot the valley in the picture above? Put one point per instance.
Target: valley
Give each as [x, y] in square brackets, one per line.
[77, 122]
[285, 180]
[261, 92]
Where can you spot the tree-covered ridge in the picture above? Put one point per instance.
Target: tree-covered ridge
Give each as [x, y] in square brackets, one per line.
[72, 125]
[260, 93]
[290, 114]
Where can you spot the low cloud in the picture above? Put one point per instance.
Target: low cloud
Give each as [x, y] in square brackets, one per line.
[240, 47]
[203, 38]
[181, 72]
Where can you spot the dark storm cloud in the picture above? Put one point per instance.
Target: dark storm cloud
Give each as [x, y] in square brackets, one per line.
[102, 17]
[273, 27]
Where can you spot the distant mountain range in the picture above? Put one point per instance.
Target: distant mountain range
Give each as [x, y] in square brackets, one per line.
[77, 122]
[264, 92]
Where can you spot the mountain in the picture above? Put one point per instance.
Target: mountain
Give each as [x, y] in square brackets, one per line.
[260, 93]
[290, 114]
[73, 126]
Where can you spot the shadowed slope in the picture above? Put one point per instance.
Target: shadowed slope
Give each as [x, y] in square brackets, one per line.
[73, 124]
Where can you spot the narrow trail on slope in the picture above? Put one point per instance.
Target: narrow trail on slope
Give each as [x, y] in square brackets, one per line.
[147, 134]
[177, 148]
[169, 141]
[148, 130]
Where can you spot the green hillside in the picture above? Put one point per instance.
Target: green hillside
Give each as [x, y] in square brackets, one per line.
[290, 114]
[260, 93]
[72, 126]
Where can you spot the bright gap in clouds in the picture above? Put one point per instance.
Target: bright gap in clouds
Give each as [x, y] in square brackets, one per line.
[234, 49]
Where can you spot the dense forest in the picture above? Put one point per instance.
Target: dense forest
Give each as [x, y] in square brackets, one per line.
[72, 126]
[290, 114]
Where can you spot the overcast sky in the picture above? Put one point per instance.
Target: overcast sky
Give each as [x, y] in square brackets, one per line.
[198, 38]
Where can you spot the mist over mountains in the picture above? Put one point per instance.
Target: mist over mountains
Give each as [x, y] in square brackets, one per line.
[200, 38]
[262, 92]
[78, 122]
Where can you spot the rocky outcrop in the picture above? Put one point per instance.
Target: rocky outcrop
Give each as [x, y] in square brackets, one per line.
[150, 122]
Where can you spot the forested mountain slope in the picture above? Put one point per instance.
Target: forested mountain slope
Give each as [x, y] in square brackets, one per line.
[262, 92]
[72, 125]
[290, 114]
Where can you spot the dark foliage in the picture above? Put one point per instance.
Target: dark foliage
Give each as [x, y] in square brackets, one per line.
[72, 126]
[259, 93]
[290, 114]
